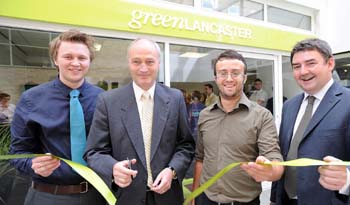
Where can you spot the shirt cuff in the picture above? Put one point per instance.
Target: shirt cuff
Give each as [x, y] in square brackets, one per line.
[345, 189]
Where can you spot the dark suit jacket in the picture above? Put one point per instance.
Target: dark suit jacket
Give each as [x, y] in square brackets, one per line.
[116, 134]
[328, 133]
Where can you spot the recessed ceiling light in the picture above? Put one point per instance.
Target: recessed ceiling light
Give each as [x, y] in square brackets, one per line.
[193, 55]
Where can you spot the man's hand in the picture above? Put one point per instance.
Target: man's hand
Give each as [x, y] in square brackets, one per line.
[332, 177]
[122, 174]
[45, 165]
[261, 172]
[163, 181]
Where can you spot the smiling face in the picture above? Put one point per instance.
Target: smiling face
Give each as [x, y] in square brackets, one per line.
[311, 70]
[143, 59]
[73, 62]
[230, 78]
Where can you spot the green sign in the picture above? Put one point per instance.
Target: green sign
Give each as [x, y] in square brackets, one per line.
[130, 16]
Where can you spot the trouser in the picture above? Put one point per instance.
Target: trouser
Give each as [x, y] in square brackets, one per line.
[204, 200]
[35, 197]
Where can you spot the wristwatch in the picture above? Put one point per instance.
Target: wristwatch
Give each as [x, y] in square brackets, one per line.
[173, 171]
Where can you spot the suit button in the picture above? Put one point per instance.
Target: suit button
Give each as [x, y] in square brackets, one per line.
[143, 201]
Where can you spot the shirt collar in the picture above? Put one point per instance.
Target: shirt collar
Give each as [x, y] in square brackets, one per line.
[139, 91]
[243, 101]
[66, 90]
[320, 94]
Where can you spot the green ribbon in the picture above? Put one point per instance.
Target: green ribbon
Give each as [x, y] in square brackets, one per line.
[302, 162]
[82, 170]
[99, 184]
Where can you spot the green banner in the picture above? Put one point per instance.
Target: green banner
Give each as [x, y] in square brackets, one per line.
[145, 18]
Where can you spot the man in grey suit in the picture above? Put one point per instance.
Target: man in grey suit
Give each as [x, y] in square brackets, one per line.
[325, 135]
[151, 131]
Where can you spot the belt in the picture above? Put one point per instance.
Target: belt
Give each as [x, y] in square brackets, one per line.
[255, 201]
[81, 188]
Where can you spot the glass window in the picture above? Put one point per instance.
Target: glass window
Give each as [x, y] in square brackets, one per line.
[184, 2]
[30, 56]
[30, 38]
[288, 18]
[191, 67]
[253, 10]
[342, 68]
[4, 54]
[290, 87]
[244, 8]
[191, 64]
[110, 64]
[32, 66]
[4, 35]
[260, 91]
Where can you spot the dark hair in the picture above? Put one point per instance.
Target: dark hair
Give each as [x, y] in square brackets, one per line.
[230, 54]
[196, 94]
[313, 44]
[71, 36]
[4, 95]
[209, 86]
[258, 80]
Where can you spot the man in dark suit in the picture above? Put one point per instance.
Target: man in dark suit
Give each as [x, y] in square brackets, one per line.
[119, 132]
[325, 134]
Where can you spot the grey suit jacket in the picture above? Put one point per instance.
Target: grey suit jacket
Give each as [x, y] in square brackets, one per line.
[116, 134]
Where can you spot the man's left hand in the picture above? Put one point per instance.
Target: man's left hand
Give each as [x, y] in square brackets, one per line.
[163, 181]
[332, 177]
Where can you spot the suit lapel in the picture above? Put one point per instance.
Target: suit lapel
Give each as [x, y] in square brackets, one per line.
[328, 102]
[132, 124]
[160, 115]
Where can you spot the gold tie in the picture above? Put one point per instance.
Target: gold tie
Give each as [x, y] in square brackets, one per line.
[146, 122]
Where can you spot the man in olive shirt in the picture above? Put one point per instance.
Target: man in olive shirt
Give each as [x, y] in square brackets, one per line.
[235, 129]
[211, 97]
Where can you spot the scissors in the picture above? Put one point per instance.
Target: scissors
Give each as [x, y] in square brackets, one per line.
[129, 166]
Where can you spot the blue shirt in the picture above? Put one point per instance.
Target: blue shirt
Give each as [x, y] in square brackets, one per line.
[195, 109]
[41, 125]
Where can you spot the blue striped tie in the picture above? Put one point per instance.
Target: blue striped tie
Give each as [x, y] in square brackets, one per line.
[77, 128]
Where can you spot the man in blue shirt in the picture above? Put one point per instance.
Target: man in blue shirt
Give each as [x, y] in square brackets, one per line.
[41, 124]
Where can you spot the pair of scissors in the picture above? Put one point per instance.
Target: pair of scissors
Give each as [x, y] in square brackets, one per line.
[129, 166]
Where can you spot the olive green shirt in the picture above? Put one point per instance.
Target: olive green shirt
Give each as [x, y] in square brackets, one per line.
[238, 136]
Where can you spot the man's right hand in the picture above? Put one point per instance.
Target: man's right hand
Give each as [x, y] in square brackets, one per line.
[45, 165]
[122, 174]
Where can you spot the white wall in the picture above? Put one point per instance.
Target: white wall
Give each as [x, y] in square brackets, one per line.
[332, 21]
[337, 28]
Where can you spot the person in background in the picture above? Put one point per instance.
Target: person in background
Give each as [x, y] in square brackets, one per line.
[140, 142]
[259, 95]
[6, 108]
[195, 108]
[234, 129]
[42, 123]
[315, 124]
[269, 104]
[186, 98]
[211, 98]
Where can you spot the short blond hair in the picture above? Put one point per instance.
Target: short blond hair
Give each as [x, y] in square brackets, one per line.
[72, 36]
